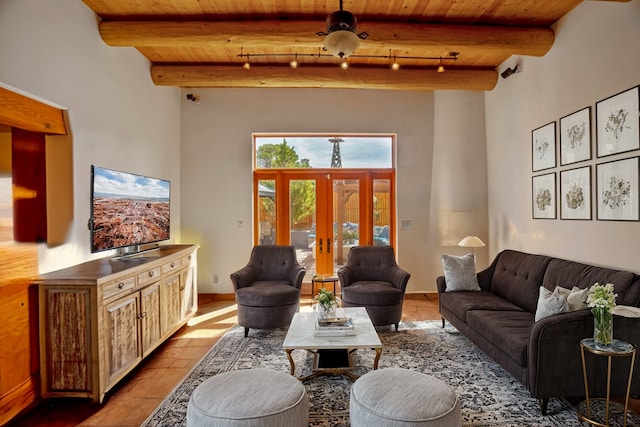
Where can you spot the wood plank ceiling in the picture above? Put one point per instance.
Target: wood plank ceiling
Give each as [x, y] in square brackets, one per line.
[205, 43]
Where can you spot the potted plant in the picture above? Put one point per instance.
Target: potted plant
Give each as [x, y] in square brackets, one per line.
[327, 303]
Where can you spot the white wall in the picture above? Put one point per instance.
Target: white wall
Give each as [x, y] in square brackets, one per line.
[217, 166]
[119, 119]
[595, 55]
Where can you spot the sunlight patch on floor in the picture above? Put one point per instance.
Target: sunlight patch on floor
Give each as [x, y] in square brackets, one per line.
[207, 333]
[206, 317]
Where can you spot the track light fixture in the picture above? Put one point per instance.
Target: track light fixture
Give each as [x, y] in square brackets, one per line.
[247, 65]
[395, 65]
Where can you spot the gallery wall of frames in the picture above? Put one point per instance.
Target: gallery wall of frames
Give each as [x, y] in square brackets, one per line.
[569, 182]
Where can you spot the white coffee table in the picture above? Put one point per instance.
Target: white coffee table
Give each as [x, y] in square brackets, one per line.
[332, 355]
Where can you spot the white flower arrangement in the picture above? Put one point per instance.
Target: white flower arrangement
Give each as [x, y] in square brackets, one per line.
[602, 296]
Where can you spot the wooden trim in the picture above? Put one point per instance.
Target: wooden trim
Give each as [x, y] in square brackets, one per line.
[22, 112]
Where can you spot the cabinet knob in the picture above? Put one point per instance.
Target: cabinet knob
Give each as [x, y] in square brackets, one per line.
[120, 285]
[173, 264]
[151, 273]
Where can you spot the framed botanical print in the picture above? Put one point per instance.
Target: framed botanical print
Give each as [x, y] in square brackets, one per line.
[617, 123]
[543, 144]
[575, 137]
[575, 193]
[544, 196]
[617, 190]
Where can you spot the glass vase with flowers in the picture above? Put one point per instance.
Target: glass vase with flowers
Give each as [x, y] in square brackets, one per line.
[602, 300]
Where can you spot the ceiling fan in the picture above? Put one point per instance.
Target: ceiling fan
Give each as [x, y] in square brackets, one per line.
[341, 39]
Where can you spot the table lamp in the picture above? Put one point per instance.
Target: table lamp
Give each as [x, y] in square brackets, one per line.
[472, 242]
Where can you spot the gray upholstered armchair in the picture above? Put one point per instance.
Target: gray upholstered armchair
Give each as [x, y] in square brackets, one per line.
[268, 288]
[372, 279]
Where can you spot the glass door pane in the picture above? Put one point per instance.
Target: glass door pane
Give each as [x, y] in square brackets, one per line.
[346, 218]
[303, 225]
[266, 212]
[381, 212]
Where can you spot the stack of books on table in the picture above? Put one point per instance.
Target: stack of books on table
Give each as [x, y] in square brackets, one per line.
[334, 327]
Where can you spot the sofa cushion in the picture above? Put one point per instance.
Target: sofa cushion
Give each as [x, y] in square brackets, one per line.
[268, 293]
[460, 303]
[372, 293]
[571, 273]
[507, 330]
[518, 276]
[550, 303]
[460, 272]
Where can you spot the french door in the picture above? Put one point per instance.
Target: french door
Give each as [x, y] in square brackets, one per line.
[324, 212]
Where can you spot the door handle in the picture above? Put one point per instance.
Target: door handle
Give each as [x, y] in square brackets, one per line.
[320, 246]
[328, 246]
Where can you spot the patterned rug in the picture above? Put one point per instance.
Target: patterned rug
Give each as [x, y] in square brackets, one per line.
[489, 396]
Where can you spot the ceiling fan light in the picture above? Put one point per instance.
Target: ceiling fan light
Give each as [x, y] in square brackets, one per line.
[441, 67]
[341, 43]
[246, 66]
[344, 65]
[395, 66]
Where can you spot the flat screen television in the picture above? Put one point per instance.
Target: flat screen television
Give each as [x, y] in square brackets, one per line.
[128, 210]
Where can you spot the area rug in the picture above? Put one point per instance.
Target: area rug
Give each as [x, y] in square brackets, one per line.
[489, 396]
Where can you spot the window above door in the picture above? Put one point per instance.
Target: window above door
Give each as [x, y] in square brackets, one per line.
[320, 151]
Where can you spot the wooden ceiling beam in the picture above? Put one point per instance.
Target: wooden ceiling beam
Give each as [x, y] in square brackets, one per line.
[321, 77]
[26, 113]
[279, 34]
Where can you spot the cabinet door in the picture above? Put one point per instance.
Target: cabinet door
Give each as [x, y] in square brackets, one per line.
[123, 344]
[67, 347]
[150, 317]
[188, 293]
[170, 302]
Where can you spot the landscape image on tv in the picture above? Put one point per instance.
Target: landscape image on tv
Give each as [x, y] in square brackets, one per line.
[128, 209]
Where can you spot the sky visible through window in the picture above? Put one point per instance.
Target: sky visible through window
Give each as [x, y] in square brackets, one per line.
[368, 152]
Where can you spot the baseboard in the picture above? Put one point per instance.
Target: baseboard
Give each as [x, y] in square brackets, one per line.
[18, 399]
[220, 297]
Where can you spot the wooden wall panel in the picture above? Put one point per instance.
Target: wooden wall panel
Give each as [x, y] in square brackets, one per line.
[29, 186]
[18, 330]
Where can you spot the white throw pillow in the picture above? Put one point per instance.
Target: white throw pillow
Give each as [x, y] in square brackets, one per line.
[460, 272]
[576, 297]
[550, 303]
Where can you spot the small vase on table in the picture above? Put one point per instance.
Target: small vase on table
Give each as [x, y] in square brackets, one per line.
[602, 325]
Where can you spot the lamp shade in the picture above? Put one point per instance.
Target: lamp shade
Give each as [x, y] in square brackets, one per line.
[471, 242]
[341, 43]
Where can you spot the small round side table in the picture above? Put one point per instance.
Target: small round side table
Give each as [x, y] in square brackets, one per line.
[318, 281]
[616, 349]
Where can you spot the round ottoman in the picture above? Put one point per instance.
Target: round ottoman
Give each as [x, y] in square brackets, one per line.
[250, 397]
[400, 397]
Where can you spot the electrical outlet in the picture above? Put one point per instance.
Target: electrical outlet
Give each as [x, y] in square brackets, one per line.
[216, 278]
